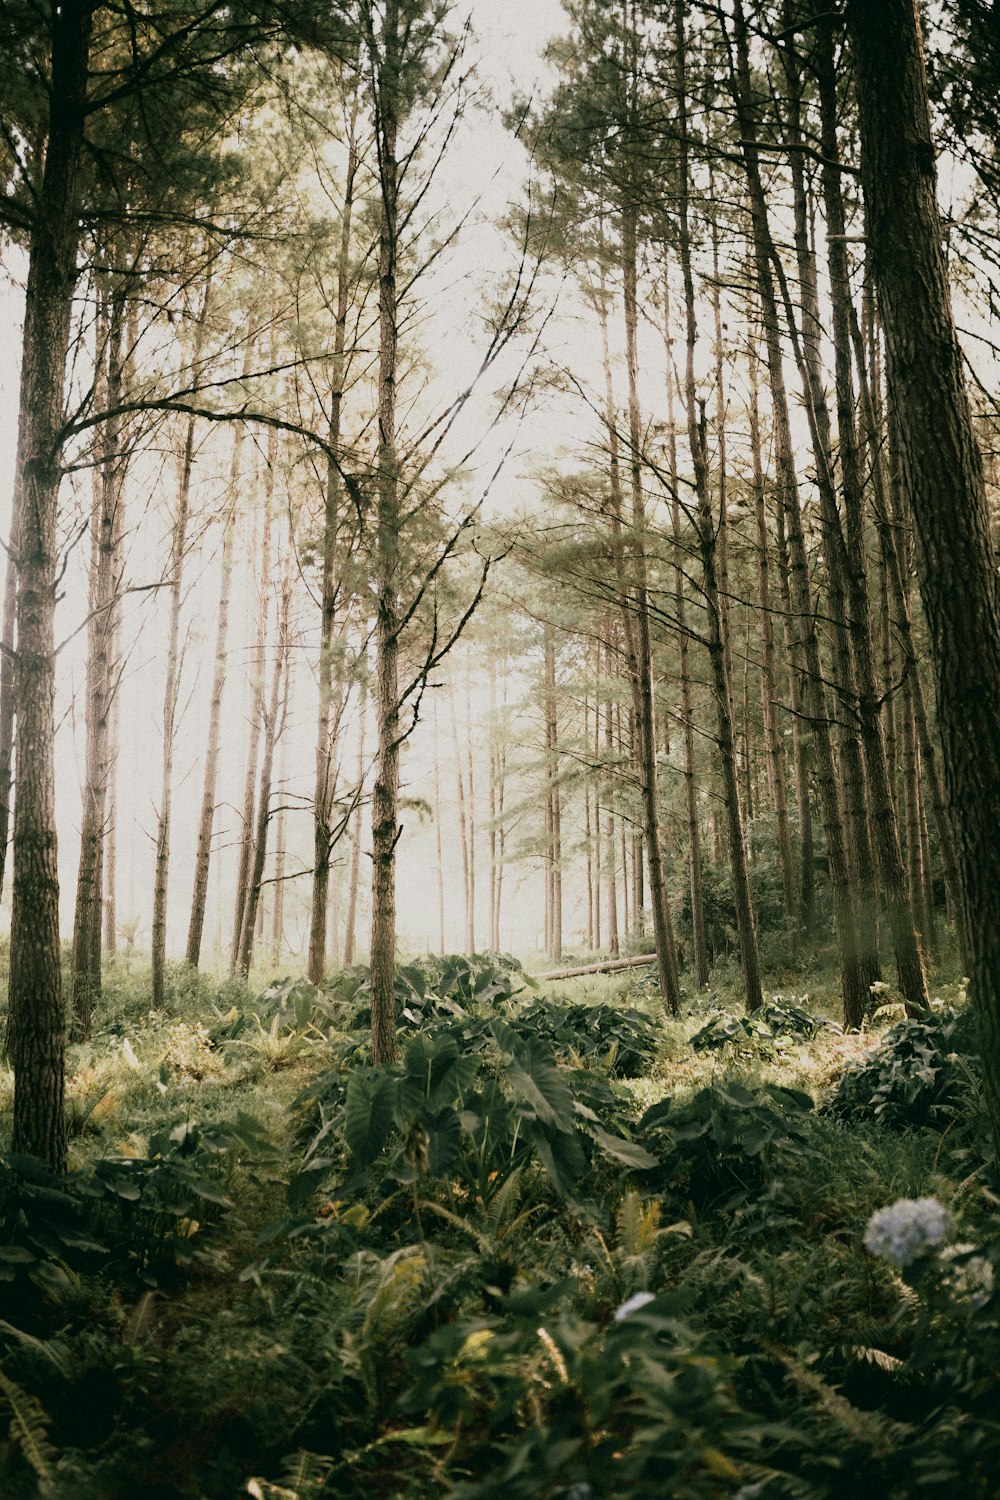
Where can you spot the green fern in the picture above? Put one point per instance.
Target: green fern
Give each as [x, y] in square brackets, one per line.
[28, 1430]
[638, 1225]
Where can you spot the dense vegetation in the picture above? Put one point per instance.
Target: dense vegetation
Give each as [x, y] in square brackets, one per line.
[562, 1248]
[566, 493]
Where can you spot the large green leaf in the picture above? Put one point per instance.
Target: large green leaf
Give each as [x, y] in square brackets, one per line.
[629, 1152]
[368, 1113]
[444, 1133]
[535, 1079]
[559, 1152]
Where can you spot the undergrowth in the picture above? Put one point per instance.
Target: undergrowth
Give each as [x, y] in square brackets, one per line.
[565, 1248]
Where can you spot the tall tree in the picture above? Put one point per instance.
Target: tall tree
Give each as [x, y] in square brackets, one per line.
[942, 471]
[35, 1017]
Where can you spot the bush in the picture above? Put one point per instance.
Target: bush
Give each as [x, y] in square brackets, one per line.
[774, 1026]
[924, 1075]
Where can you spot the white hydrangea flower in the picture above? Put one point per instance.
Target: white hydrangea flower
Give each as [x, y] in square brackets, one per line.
[907, 1229]
[632, 1304]
[971, 1280]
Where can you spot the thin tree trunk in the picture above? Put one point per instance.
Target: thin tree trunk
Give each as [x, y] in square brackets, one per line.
[273, 724]
[281, 823]
[350, 923]
[642, 678]
[494, 942]
[109, 475]
[171, 690]
[325, 779]
[463, 827]
[625, 759]
[801, 743]
[471, 813]
[206, 820]
[597, 794]
[717, 619]
[768, 675]
[257, 690]
[554, 852]
[438, 844]
[844, 619]
[699, 945]
[609, 831]
[385, 793]
[854, 972]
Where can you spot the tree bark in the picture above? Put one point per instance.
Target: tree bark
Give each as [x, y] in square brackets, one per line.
[909, 961]
[707, 542]
[257, 690]
[206, 819]
[385, 792]
[109, 477]
[768, 674]
[325, 779]
[642, 676]
[273, 724]
[350, 922]
[171, 690]
[943, 474]
[699, 945]
[854, 972]
[35, 1018]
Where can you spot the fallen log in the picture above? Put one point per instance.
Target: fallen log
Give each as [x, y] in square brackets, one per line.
[606, 966]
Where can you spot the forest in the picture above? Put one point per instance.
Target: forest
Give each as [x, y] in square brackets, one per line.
[499, 749]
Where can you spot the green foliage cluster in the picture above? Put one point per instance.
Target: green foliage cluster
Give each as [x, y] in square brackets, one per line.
[776, 1024]
[924, 1074]
[494, 1268]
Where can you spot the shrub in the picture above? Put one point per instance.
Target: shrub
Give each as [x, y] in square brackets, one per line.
[924, 1075]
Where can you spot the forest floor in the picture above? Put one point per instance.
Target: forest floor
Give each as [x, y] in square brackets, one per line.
[566, 1248]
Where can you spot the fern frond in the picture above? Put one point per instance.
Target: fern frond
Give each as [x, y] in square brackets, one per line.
[880, 1434]
[28, 1424]
[628, 1222]
[51, 1349]
[878, 1357]
[504, 1200]
[637, 1225]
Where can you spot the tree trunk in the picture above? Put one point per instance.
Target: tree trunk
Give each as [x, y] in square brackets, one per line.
[699, 945]
[273, 724]
[109, 477]
[171, 690]
[609, 824]
[350, 923]
[471, 812]
[844, 620]
[943, 474]
[642, 676]
[909, 962]
[257, 689]
[325, 779]
[35, 1018]
[854, 972]
[707, 543]
[597, 794]
[463, 830]
[206, 820]
[554, 852]
[438, 842]
[385, 793]
[768, 674]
